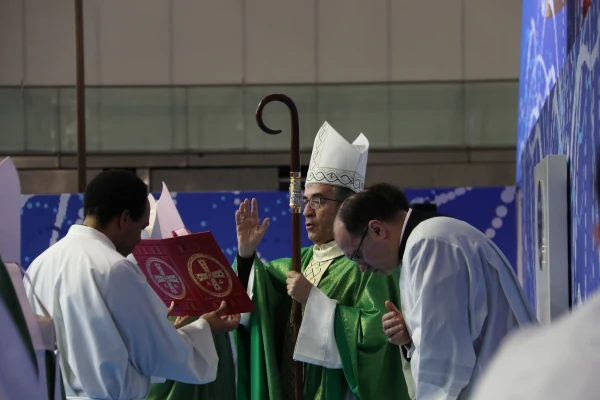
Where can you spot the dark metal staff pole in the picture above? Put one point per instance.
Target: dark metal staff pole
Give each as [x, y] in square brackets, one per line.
[80, 90]
[296, 204]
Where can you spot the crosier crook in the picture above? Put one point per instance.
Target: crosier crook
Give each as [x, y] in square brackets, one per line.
[296, 207]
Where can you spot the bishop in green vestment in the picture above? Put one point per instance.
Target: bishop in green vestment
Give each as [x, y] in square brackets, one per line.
[341, 343]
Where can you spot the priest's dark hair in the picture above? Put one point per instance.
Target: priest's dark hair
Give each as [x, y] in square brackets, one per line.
[380, 201]
[392, 193]
[112, 192]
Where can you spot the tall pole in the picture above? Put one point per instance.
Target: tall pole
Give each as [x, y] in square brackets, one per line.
[296, 208]
[80, 90]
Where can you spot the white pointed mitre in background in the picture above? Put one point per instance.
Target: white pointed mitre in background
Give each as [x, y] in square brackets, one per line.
[151, 222]
[334, 161]
[164, 217]
[167, 216]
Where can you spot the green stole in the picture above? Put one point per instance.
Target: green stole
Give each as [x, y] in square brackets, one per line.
[222, 388]
[372, 367]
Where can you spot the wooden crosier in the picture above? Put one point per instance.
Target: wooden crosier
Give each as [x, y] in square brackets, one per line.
[296, 207]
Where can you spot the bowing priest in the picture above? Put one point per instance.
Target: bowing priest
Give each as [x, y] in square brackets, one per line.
[164, 220]
[538, 365]
[112, 329]
[460, 295]
[346, 354]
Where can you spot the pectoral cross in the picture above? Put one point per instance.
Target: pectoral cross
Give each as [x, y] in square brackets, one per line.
[210, 276]
[162, 278]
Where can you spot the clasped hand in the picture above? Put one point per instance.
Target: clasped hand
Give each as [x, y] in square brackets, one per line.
[394, 326]
[298, 287]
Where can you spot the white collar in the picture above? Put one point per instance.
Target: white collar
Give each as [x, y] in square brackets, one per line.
[405, 222]
[327, 251]
[91, 233]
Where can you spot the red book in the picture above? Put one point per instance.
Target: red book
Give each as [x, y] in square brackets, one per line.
[193, 272]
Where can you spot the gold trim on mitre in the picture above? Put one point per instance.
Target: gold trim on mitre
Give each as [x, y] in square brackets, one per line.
[334, 161]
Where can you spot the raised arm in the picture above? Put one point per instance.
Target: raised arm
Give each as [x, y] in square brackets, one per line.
[250, 232]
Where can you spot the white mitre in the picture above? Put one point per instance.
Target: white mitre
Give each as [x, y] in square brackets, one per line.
[164, 217]
[334, 161]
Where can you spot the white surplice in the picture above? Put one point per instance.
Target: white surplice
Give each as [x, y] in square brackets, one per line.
[460, 297]
[18, 373]
[19, 377]
[555, 362]
[22, 377]
[112, 329]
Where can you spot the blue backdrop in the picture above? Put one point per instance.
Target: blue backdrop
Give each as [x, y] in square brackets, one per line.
[543, 53]
[569, 125]
[46, 219]
[545, 44]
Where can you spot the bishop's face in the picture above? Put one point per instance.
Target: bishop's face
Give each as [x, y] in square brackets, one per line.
[320, 209]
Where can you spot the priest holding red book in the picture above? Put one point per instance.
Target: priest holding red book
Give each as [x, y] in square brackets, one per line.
[112, 329]
[167, 233]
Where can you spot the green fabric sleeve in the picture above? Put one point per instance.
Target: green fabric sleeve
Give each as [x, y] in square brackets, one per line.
[362, 344]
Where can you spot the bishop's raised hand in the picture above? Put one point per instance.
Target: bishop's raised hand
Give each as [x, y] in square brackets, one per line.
[250, 230]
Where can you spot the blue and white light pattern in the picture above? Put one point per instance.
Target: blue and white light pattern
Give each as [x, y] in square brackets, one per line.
[543, 53]
[569, 124]
[47, 218]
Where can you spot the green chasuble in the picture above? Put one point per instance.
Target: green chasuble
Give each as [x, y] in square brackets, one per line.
[223, 388]
[372, 367]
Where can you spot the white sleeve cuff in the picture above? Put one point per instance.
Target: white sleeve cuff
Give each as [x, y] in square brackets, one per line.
[245, 320]
[205, 361]
[316, 340]
[199, 330]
